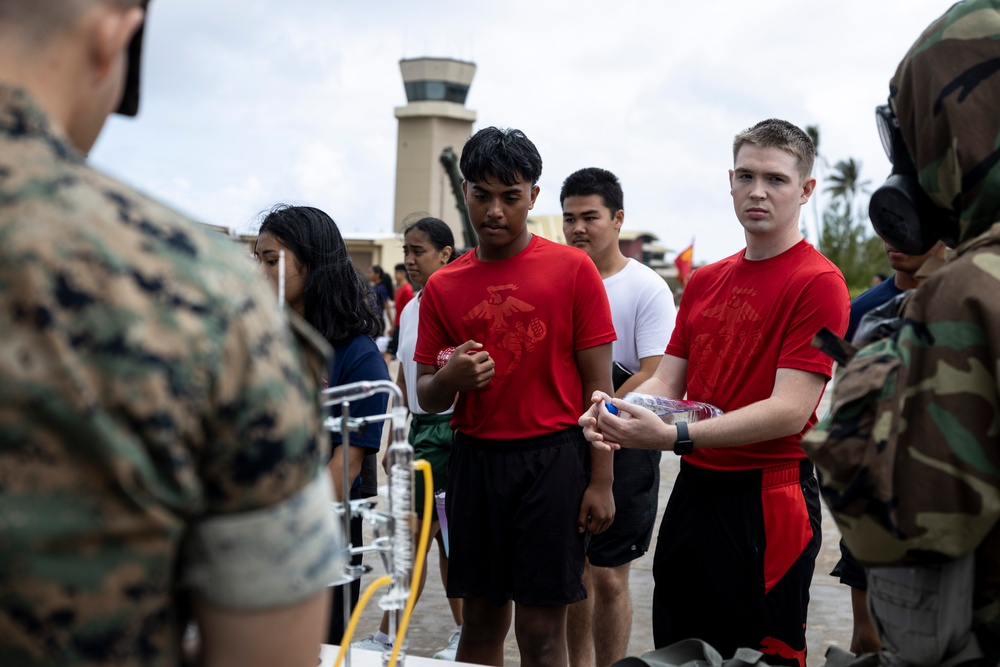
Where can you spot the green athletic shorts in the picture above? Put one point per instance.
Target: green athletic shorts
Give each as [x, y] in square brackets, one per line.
[431, 437]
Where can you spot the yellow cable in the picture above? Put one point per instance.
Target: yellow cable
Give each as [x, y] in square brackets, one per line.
[345, 642]
[386, 580]
[418, 567]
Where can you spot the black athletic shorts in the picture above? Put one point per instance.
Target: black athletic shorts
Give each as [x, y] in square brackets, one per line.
[512, 518]
[636, 487]
[735, 557]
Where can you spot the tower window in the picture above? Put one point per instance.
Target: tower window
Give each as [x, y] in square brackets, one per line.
[444, 91]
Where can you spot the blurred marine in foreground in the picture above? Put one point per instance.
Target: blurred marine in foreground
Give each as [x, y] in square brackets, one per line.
[159, 440]
[910, 455]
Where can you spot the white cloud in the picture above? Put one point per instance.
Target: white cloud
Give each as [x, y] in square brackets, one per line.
[247, 103]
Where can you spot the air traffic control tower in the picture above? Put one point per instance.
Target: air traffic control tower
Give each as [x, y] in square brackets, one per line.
[434, 118]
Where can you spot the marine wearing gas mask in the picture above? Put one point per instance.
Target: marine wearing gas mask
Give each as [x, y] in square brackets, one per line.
[909, 457]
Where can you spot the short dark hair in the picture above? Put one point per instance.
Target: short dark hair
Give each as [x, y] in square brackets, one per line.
[383, 278]
[777, 133]
[400, 267]
[594, 181]
[336, 295]
[505, 154]
[438, 232]
[42, 20]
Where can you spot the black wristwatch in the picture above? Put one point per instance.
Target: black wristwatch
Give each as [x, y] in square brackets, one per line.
[684, 445]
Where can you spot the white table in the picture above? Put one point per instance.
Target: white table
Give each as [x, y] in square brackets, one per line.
[363, 658]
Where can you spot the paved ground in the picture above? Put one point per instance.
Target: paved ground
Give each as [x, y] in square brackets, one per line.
[829, 607]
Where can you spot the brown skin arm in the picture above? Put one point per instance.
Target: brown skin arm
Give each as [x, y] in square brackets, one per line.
[355, 456]
[647, 366]
[597, 509]
[401, 383]
[288, 635]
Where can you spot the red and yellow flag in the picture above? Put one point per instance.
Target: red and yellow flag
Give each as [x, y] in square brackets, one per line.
[685, 263]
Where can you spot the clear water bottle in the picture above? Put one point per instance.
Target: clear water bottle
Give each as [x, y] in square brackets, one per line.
[670, 410]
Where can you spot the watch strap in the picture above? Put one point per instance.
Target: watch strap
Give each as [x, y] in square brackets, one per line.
[683, 445]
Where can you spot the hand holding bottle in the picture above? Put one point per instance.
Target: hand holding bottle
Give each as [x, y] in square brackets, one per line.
[635, 425]
[669, 410]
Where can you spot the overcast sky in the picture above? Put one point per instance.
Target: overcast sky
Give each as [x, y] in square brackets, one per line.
[251, 102]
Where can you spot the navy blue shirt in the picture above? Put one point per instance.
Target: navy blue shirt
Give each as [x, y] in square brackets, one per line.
[869, 299]
[354, 361]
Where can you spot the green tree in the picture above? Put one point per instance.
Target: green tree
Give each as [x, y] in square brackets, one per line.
[845, 180]
[846, 237]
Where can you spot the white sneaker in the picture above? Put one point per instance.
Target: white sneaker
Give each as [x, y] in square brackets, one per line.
[451, 650]
[369, 643]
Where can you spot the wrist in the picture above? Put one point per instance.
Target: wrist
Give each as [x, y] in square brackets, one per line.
[601, 478]
[682, 439]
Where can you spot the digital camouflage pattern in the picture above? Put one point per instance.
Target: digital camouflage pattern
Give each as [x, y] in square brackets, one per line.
[148, 382]
[909, 456]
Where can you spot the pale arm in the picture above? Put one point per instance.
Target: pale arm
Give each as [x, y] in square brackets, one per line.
[288, 635]
[785, 412]
[597, 508]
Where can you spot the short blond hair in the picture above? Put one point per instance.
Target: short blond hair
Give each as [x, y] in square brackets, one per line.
[777, 133]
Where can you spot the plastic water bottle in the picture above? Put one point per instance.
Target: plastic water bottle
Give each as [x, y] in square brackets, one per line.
[670, 410]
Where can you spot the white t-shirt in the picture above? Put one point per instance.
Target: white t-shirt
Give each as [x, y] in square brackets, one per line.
[409, 323]
[643, 313]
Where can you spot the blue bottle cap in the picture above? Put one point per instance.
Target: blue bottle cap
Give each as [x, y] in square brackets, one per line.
[612, 409]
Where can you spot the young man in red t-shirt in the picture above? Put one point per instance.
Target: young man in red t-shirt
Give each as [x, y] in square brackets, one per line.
[740, 534]
[533, 330]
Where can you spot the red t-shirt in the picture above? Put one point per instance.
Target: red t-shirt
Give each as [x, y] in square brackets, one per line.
[531, 312]
[739, 321]
[403, 295]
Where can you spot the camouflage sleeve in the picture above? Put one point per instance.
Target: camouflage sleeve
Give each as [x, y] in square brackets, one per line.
[263, 425]
[267, 535]
[268, 557]
[909, 456]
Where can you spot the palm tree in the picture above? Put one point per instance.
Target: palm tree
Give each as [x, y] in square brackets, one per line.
[846, 180]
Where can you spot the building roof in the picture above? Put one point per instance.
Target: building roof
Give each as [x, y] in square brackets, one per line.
[634, 235]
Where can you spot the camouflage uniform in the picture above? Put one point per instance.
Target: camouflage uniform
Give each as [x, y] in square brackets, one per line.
[910, 456]
[157, 436]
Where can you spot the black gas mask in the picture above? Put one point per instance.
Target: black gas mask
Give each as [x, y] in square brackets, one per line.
[129, 105]
[900, 211]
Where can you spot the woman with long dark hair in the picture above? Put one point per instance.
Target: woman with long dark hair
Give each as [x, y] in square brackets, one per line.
[331, 294]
